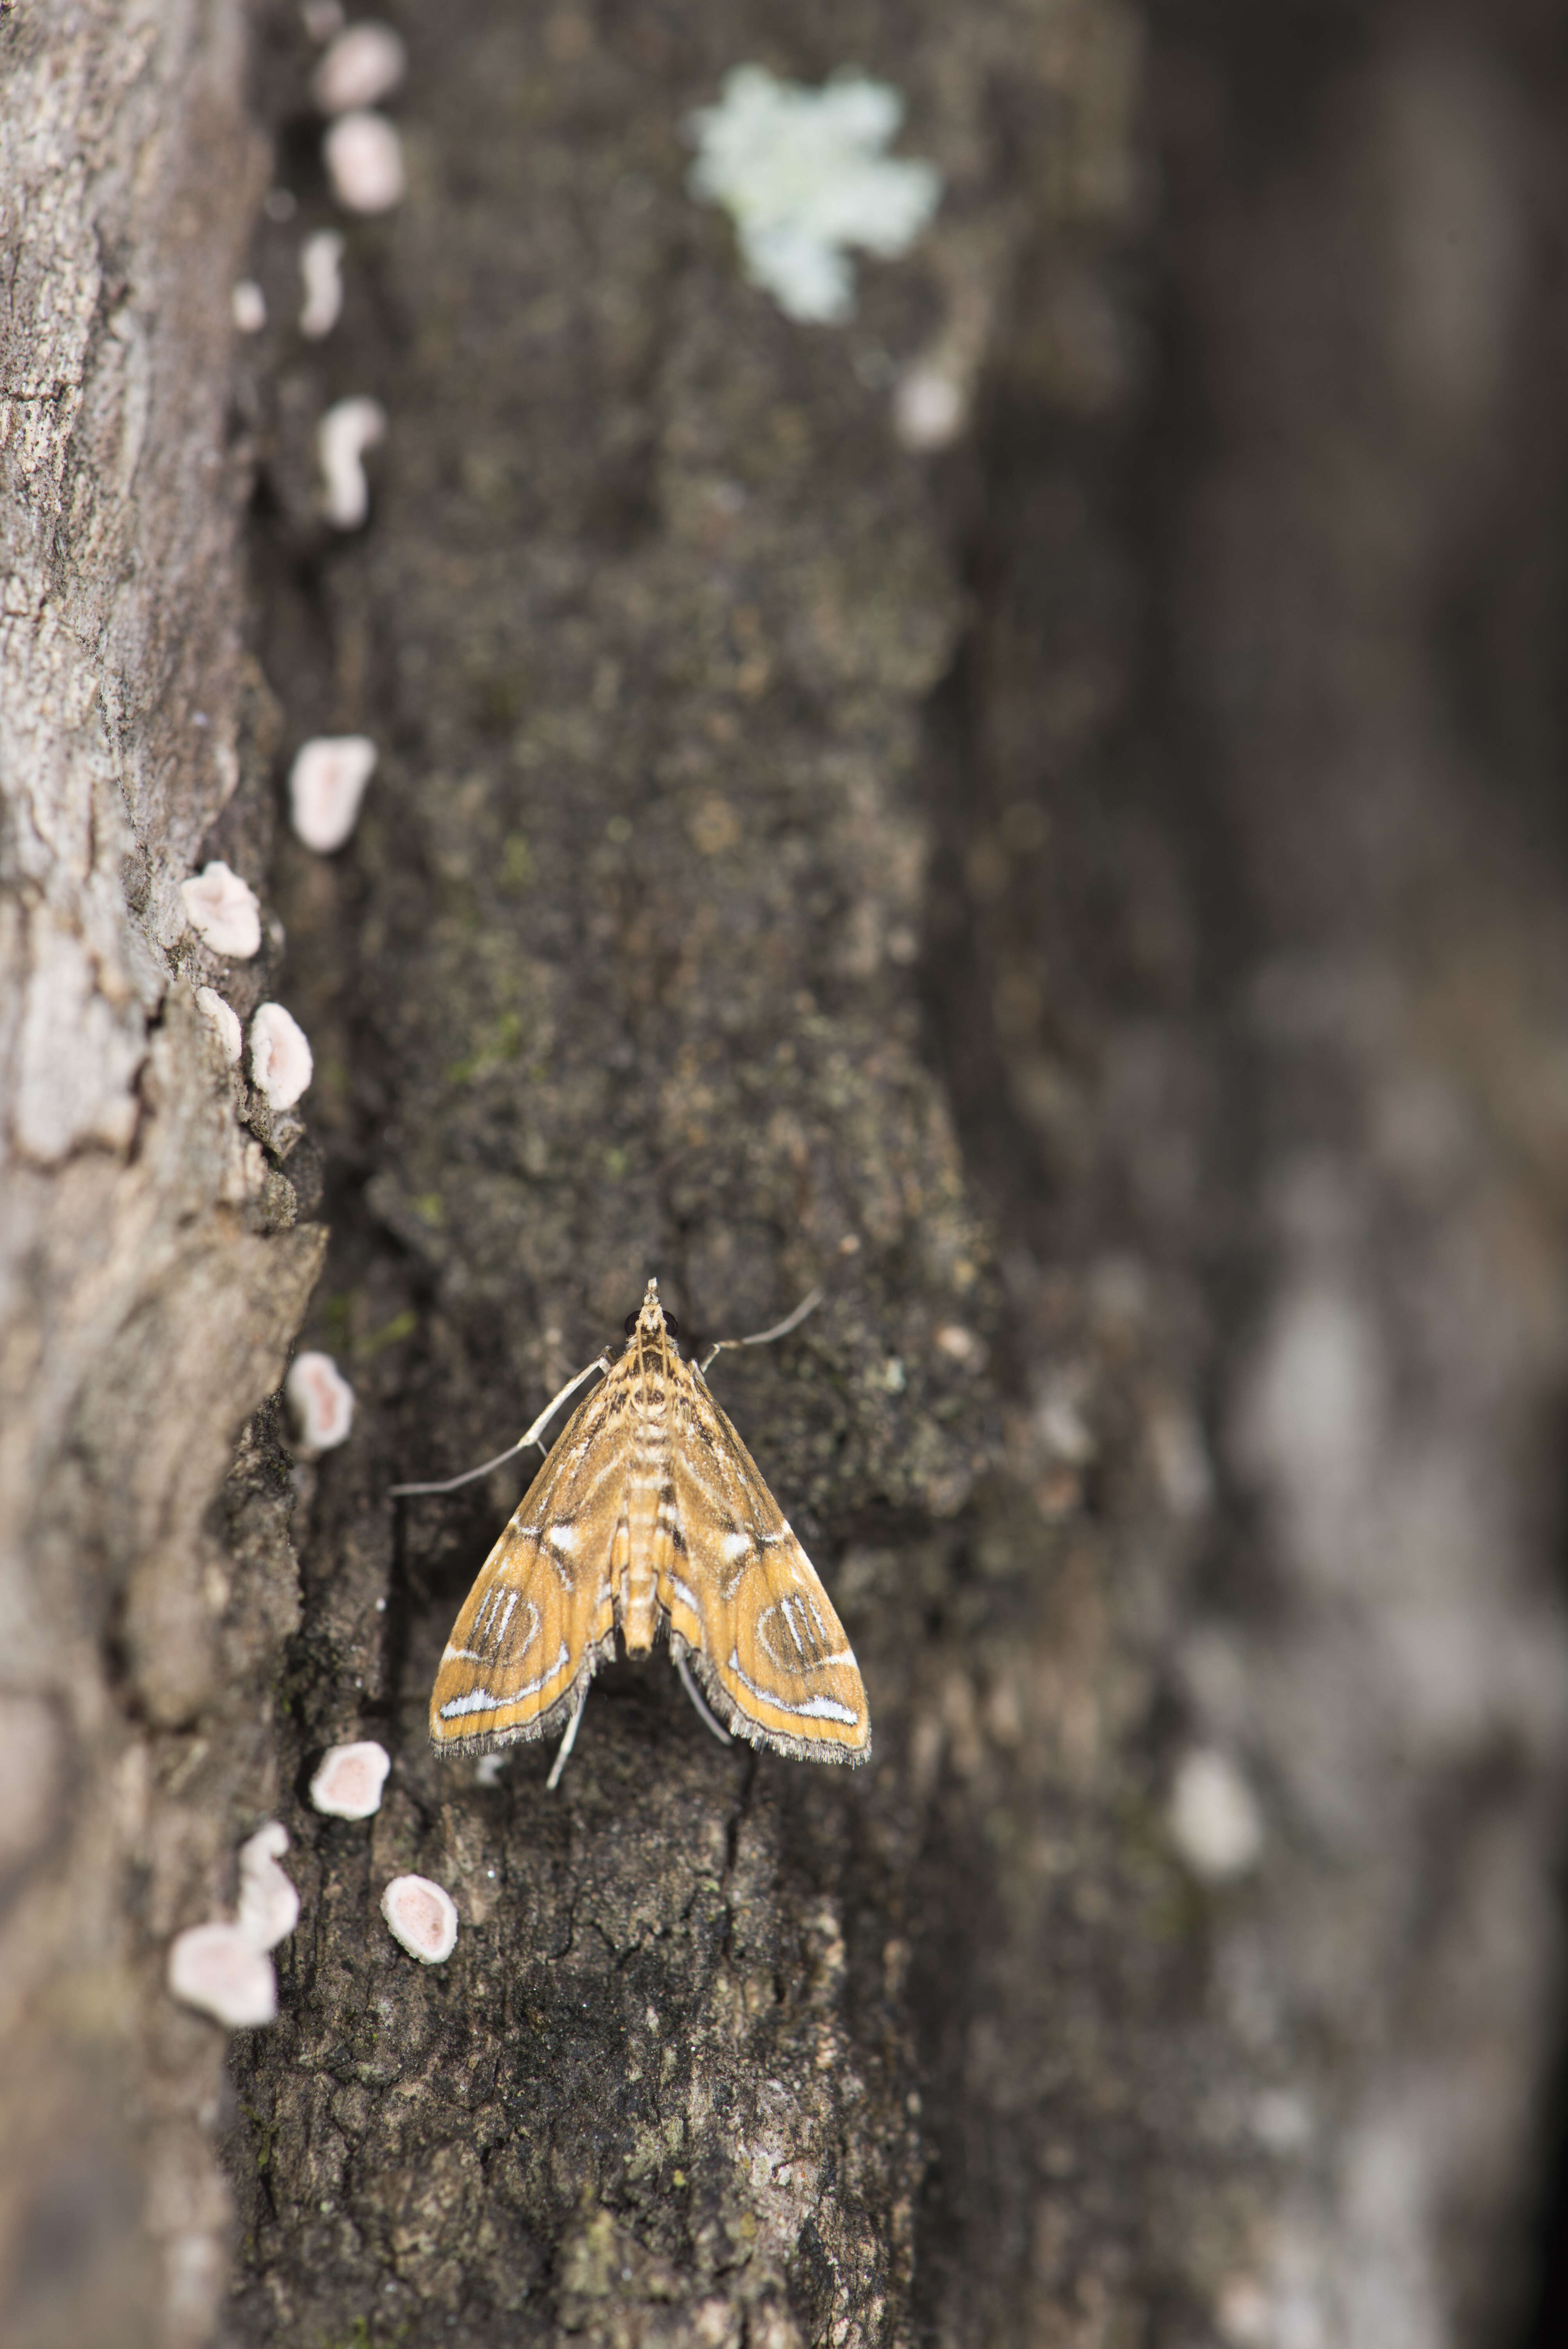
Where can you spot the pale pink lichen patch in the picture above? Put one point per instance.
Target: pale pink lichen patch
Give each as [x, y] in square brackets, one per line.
[225, 1019]
[269, 1904]
[219, 1969]
[364, 158]
[349, 1778]
[223, 1967]
[320, 1402]
[348, 430]
[321, 274]
[363, 65]
[281, 1064]
[222, 910]
[326, 785]
[422, 1918]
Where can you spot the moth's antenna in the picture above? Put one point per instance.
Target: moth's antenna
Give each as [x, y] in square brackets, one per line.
[725, 1736]
[567, 1742]
[766, 1336]
[451, 1484]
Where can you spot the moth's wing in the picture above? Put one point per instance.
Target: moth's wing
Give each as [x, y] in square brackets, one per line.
[744, 1598]
[540, 1616]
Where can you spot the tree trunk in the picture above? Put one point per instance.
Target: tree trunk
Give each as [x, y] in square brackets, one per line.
[1048, 889]
[152, 1275]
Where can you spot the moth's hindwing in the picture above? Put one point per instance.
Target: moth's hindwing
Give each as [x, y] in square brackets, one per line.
[744, 1598]
[540, 1616]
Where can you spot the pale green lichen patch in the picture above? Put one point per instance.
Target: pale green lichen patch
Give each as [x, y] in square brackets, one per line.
[804, 176]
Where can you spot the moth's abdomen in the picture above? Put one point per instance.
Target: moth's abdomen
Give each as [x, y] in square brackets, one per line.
[650, 1516]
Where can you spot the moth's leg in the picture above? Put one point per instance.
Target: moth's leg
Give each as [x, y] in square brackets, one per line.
[568, 1742]
[697, 1698]
[766, 1336]
[450, 1484]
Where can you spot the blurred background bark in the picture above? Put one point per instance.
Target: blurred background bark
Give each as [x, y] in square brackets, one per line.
[1091, 892]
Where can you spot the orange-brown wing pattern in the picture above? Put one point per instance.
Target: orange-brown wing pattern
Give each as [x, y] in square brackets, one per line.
[541, 1616]
[745, 1599]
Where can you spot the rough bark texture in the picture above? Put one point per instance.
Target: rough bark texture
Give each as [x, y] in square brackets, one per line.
[1094, 900]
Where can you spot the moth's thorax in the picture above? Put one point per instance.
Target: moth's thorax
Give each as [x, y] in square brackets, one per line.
[650, 1329]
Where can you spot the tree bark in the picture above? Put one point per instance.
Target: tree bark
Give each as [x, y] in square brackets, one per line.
[152, 1282]
[1045, 890]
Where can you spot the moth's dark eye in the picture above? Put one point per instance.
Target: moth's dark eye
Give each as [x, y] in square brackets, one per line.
[672, 1325]
[631, 1323]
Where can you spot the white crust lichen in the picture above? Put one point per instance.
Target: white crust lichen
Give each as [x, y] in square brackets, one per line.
[320, 276]
[249, 305]
[364, 158]
[348, 430]
[269, 1904]
[225, 1019]
[363, 65]
[1215, 1823]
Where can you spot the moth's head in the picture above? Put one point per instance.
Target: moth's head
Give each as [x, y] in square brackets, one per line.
[652, 1321]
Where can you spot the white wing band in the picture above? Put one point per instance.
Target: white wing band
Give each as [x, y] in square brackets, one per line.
[481, 1700]
[816, 1708]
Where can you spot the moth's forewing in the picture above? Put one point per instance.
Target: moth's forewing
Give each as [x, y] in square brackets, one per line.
[540, 1618]
[743, 1596]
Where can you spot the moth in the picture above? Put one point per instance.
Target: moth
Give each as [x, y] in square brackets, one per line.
[649, 1511]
